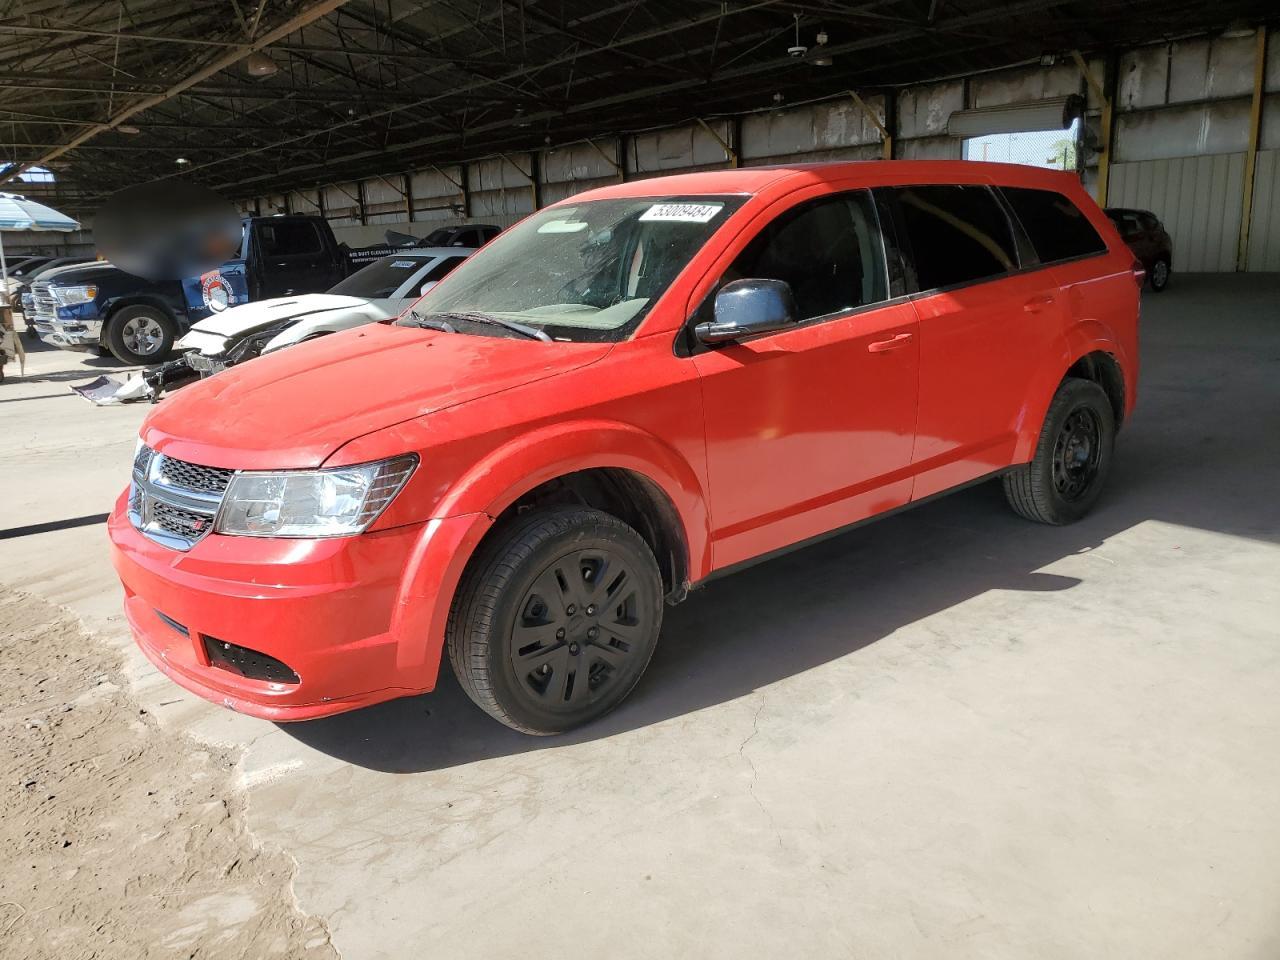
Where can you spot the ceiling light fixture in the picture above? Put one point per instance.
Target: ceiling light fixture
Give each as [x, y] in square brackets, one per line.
[181, 161]
[823, 59]
[127, 128]
[258, 64]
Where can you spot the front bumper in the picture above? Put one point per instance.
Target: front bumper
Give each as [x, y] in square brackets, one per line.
[204, 365]
[68, 333]
[330, 609]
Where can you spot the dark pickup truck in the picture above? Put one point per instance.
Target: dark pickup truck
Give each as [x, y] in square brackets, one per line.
[101, 306]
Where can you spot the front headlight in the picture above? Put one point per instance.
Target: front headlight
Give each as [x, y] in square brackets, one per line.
[70, 296]
[336, 502]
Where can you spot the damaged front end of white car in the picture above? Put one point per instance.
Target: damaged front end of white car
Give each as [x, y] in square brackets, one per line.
[241, 334]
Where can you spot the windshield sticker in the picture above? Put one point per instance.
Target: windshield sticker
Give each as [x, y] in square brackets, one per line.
[682, 212]
[403, 264]
[563, 226]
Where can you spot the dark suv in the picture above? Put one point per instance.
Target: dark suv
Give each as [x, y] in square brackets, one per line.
[1150, 243]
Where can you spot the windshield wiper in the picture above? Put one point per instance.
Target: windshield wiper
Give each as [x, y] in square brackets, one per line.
[428, 323]
[533, 333]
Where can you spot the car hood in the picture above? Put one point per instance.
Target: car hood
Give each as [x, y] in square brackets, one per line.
[252, 316]
[293, 409]
[70, 274]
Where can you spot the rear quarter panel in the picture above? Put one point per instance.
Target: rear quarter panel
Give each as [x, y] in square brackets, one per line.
[1101, 307]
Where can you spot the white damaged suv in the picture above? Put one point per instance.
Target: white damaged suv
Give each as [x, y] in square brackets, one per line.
[381, 290]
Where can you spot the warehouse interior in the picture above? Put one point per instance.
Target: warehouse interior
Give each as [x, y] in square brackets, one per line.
[435, 113]
[943, 734]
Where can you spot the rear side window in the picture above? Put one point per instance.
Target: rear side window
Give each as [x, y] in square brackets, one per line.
[956, 234]
[285, 238]
[828, 250]
[1056, 226]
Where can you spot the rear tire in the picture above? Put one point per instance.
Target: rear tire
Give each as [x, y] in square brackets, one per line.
[1159, 275]
[556, 619]
[140, 335]
[1072, 458]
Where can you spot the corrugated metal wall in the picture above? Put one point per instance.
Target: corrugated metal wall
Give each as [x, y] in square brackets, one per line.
[1181, 129]
[1264, 233]
[1197, 198]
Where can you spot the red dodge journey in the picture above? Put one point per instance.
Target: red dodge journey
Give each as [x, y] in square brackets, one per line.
[631, 390]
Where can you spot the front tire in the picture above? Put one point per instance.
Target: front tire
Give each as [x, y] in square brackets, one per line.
[140, 335]
[1072, 459]
[556, 619]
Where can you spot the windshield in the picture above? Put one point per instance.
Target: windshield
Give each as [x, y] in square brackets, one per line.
[587, 271]
[381, 278]
[29, 267]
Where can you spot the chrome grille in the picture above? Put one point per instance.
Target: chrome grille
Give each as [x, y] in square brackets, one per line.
[174, 502]
[141, 461]
[42, 302]
[187, 524]
[192, 476]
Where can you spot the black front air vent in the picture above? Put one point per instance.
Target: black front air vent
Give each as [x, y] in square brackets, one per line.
[247, 663]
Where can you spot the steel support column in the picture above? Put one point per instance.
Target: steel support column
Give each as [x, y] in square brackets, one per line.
[1251, 155]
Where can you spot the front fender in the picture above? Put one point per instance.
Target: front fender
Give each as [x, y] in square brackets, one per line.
[534, 458]
[469, 507]
[1079, 340]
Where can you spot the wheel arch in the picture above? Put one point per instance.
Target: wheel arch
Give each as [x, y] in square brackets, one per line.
[613, 466]
[1090, 352]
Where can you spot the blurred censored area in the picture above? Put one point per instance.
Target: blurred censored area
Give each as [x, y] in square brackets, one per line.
[167, 230]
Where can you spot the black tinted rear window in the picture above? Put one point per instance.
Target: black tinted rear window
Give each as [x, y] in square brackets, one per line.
[1056, 226]
[285, 238]
[957, 234]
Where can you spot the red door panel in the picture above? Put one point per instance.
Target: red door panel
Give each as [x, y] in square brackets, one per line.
[980, 348]
[810, 429]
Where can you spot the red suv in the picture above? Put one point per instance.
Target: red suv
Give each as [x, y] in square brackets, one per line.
[629, 391]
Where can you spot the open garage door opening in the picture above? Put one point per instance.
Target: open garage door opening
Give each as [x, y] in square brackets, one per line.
[1051, 149]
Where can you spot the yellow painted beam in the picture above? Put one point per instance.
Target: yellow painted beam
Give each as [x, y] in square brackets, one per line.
[1104, 154]
[886, 138]
[1251, 155]
[730, 154]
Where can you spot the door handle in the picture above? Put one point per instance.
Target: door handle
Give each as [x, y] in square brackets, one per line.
[882, 346]
[1038, 304]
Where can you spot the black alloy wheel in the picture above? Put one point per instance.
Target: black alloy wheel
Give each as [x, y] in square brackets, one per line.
[1072, 458]
[1077, 451]
[579, 628]
[556, 618]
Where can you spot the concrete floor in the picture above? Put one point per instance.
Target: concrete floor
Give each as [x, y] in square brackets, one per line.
[951, 734]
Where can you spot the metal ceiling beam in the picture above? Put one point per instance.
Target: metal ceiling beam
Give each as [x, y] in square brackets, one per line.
[311, 13]
[647, 93]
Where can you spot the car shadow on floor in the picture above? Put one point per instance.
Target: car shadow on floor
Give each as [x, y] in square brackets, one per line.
[816, 605]
[1199, 453]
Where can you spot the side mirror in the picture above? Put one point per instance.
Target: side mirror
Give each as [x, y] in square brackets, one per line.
[426, 287]
[745, 308]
